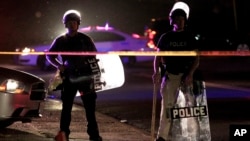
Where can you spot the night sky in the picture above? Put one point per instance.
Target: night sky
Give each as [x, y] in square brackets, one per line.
[28, 22]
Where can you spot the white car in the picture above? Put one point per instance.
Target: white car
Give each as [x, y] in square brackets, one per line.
[20, 96]
[105, 38]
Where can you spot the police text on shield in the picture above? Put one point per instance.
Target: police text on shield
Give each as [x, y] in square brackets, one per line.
[186, 112]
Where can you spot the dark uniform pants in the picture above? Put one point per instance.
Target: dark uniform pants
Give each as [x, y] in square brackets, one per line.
[89, 101]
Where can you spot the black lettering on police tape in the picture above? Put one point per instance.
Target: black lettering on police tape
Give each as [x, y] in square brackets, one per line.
[186, 112]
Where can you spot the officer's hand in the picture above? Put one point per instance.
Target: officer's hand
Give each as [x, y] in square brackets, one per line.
[156, 78]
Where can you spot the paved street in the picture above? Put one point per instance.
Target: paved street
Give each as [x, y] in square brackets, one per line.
[45, 128]
[115, 126]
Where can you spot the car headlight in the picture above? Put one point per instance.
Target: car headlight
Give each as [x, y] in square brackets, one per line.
[25, 50]
[12, 86]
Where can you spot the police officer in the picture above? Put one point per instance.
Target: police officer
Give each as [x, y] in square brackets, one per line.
[178, 70]
[74, 66]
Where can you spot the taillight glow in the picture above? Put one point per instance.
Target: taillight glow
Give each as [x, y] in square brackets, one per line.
[151, 44]
[151, 34]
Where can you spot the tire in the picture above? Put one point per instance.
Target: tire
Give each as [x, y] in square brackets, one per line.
[128, 60]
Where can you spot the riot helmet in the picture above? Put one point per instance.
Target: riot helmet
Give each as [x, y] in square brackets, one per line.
[179, 9]
[72, 15]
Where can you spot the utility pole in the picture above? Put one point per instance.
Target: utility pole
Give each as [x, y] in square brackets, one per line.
[235, 15]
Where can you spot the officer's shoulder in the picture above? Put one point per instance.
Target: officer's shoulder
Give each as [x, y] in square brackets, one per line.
[166, 34]
[83, 35]
[61, 37]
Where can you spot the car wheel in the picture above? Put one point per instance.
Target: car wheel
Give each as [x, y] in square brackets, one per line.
[5, 123]
[128, 60]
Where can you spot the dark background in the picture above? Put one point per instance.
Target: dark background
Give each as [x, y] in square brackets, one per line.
[32, 22]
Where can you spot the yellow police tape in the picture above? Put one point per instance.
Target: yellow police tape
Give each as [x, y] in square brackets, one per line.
[140, 53]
